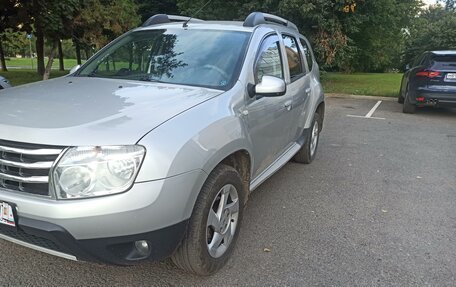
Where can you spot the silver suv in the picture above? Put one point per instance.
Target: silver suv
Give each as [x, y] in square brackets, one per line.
[152, 147]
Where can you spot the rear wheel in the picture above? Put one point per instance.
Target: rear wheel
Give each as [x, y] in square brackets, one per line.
[408, 108]
[308, 151]
[400, 99]
[214, 224]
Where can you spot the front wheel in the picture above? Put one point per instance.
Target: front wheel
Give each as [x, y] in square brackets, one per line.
[308, 151]
[214, 224]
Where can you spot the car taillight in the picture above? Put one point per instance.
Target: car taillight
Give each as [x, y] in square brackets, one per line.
[428, 74]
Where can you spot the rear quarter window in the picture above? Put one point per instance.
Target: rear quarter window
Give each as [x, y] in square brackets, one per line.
[307, 53]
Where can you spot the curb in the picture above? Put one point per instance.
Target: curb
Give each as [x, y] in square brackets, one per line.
[360, 97]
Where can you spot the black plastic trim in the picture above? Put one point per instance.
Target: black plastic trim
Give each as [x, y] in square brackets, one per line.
[114, 250]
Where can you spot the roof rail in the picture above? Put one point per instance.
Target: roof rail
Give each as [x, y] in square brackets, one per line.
[257, 18]
[163, 18]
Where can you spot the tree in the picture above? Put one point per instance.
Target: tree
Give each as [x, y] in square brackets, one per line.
[95, 26]
[434, 29]
[450, 5]
[13, 17]
[380, 38]
[52, 19]
[346, 34]
[147, 8]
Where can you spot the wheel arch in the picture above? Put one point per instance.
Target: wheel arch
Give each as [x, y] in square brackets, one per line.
[241, 161]
[321, 111]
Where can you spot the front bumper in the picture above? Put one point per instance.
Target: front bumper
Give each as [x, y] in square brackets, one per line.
[106, 228]
[55, 240]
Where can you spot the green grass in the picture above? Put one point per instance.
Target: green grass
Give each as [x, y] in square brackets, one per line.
[26, 63]
[387, 84]
[20, 77]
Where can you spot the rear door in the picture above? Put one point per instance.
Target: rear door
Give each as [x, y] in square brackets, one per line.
[299, 84]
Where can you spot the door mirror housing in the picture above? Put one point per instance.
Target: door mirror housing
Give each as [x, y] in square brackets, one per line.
[271, 87]
[74, 69]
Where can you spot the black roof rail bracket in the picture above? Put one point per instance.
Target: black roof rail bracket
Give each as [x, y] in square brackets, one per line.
[257, 18]
[163, 19]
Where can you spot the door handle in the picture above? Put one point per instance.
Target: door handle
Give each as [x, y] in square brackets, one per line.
[308, 90]
[288, 105]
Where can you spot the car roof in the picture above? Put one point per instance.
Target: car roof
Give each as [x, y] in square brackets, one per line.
[210, 25]
[254, 20]
[442, 53]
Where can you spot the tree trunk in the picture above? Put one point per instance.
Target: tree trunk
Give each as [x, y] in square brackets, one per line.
[39, 49]
[87, 52]
[2, 57]
[47, 71]
[78, 51]
[61, 64]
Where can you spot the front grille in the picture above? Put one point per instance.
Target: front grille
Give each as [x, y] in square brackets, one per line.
[19, 234]
[25, 167]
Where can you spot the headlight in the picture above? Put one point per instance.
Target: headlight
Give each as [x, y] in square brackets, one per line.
[96, 171]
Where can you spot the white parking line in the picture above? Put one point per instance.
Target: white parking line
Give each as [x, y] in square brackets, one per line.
[370, 113]
[363, 117]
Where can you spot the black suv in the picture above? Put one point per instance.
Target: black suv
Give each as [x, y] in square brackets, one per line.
[429, 81]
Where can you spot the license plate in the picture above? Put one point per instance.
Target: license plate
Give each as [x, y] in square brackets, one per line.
[451, 76]
[7, 214]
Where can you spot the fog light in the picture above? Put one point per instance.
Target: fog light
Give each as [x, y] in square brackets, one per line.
[143, 247]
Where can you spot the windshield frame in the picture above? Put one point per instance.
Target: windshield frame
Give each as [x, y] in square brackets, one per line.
[236, 72]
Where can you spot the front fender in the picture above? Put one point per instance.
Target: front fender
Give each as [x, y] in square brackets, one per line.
[198, 139]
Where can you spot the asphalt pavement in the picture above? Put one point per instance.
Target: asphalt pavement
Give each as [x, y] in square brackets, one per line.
[377, 207]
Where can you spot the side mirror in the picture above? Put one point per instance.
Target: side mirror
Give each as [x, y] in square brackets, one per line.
[407, 67]
[74, 69]
[271, 87]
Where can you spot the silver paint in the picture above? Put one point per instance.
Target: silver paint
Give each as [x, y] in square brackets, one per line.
[187, 132]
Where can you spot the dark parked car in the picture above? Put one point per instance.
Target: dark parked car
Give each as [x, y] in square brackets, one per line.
[429, 81]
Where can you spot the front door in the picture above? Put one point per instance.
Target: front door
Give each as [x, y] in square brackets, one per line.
[269, 118]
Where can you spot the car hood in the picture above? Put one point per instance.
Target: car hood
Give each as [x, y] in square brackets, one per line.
[71, 111]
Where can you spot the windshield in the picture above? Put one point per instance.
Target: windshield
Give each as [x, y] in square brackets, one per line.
[207, 58]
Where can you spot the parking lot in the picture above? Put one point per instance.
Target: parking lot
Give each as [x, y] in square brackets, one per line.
[377, 207]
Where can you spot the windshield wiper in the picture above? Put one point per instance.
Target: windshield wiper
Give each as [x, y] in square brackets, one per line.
[149, 78]
[92, 74]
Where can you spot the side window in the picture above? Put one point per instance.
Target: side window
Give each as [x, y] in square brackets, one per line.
[293, 57]
[307, 53]
[269, 60]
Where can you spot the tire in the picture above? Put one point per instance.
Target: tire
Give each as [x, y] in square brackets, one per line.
[400, 98]
[308, 151]
[193, 255]
[408, 108]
